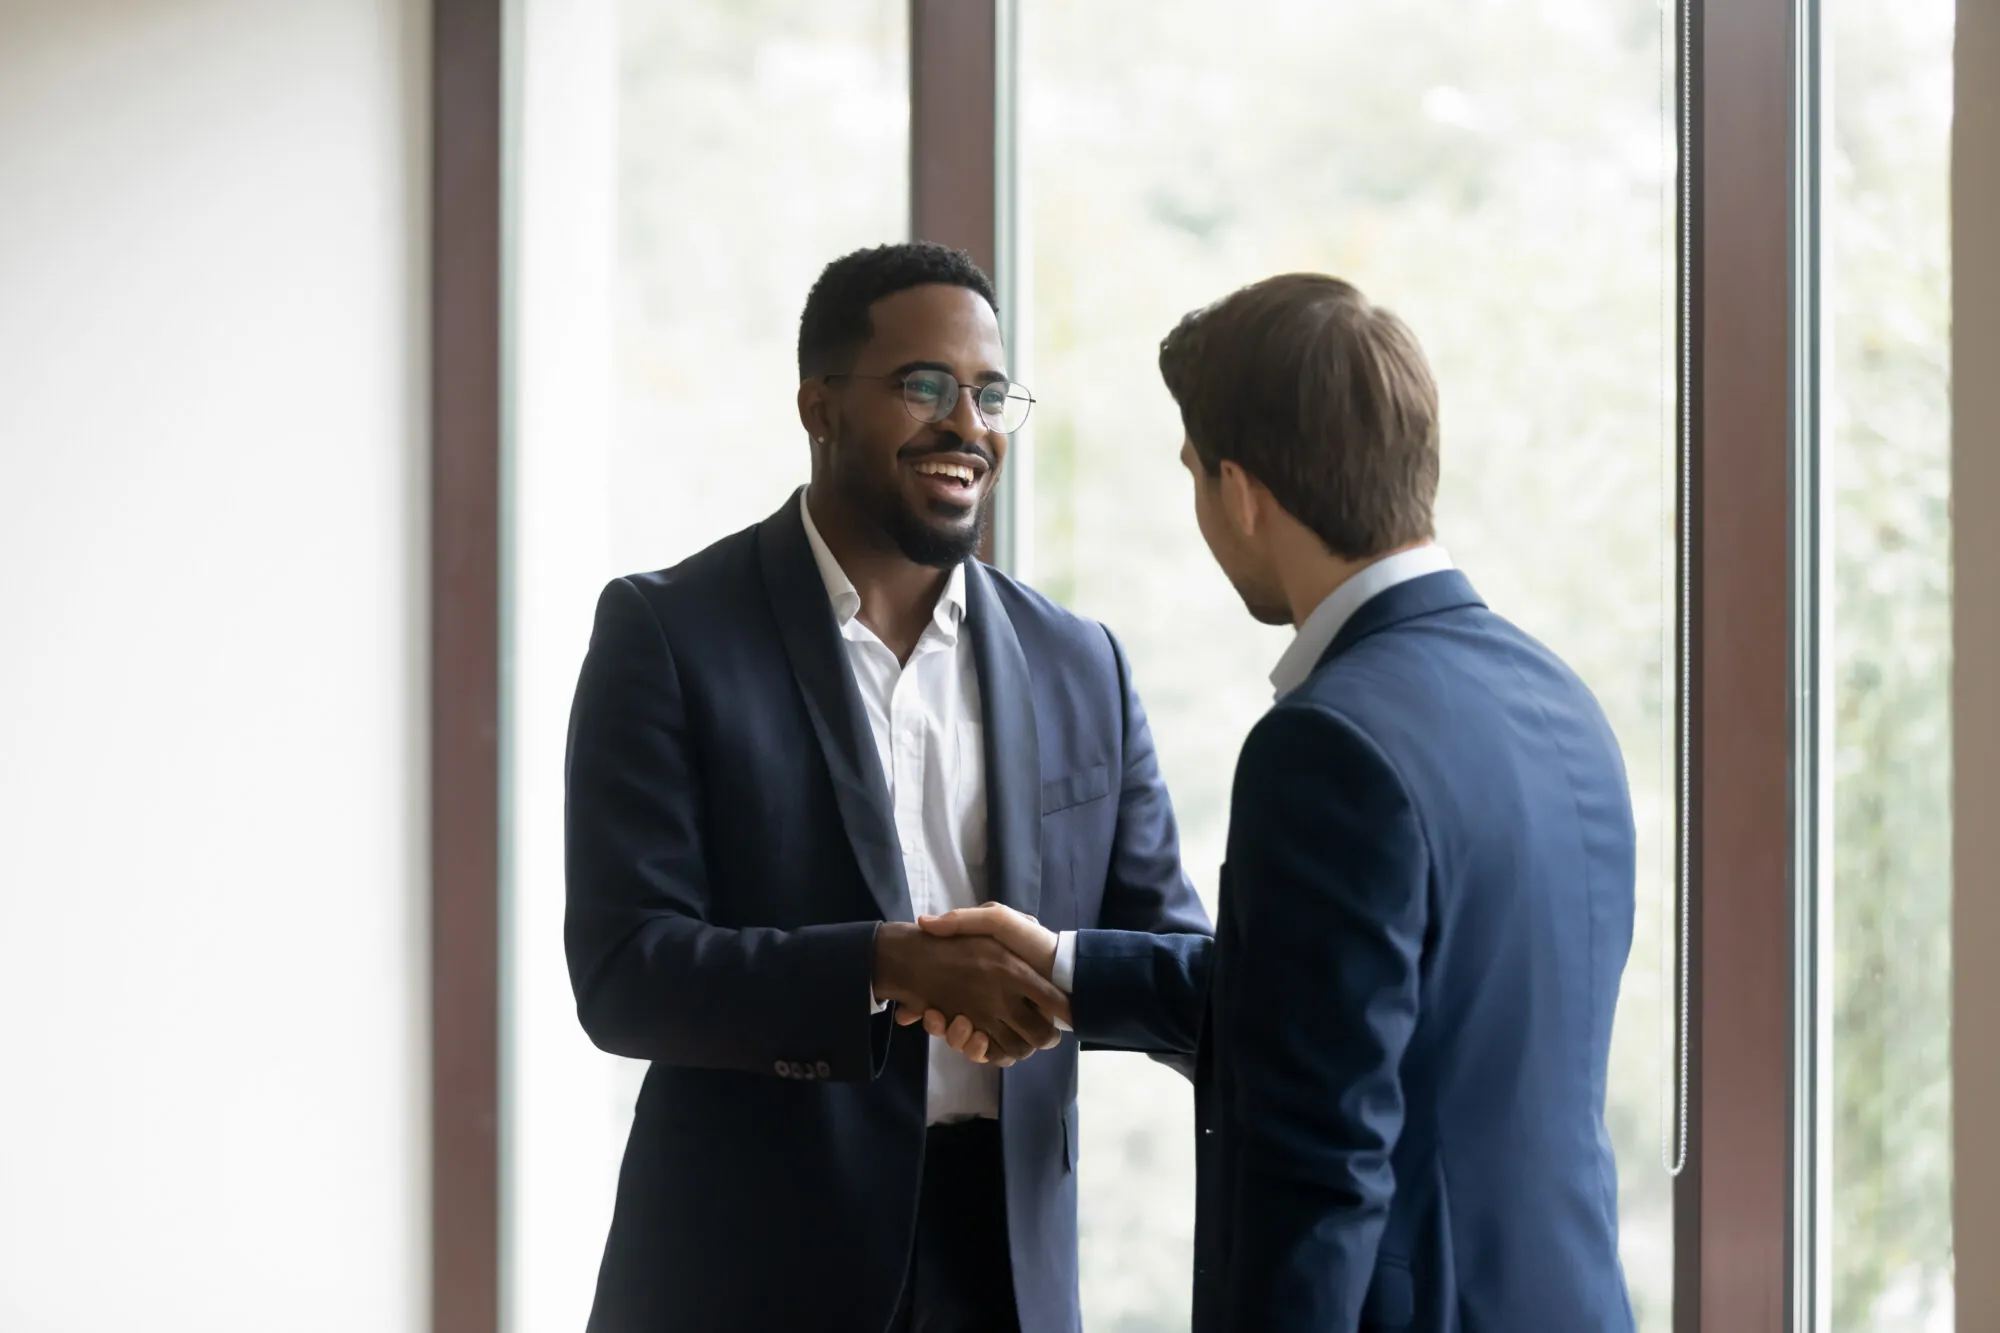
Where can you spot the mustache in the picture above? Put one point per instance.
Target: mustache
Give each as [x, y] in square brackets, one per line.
[948, 443]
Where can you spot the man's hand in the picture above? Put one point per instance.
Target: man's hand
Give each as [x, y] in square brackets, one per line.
[1022, 935]
[1004, 1001]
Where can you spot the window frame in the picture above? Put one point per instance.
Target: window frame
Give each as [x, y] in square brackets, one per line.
[1734, 1247]
[469, 53]
[1743, 1205]
[1975, 480]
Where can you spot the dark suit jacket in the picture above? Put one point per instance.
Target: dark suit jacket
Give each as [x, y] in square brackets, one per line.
[730, 853]
[1424, 916]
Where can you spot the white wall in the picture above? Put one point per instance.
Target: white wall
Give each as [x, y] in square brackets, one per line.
[212, 1051]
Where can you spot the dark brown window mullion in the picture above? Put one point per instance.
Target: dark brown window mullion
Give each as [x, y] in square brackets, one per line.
[1975, 490]
[467, 55]
[954, 122]
[1732, 1203]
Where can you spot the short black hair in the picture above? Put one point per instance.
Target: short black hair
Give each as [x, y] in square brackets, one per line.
[835, 322]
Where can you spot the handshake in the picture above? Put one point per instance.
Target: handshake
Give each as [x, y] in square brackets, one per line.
[979, 978]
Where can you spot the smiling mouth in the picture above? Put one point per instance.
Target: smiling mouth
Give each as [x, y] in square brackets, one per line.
[948, 479]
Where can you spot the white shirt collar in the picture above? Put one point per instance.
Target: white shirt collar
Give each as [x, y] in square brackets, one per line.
[948, 614]
[1323, 626]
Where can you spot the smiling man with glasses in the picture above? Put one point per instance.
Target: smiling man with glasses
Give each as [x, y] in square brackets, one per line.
[783, 751]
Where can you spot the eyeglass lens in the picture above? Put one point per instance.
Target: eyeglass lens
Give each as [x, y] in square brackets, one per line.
[931, 396]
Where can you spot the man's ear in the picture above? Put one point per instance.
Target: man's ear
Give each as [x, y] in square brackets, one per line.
[816, 409]
[1243, 498]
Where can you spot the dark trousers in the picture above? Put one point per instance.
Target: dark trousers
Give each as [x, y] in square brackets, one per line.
[961, 1276]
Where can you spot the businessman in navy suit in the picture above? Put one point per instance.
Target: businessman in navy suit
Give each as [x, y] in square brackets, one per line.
[781, 752]
[1403, 1022]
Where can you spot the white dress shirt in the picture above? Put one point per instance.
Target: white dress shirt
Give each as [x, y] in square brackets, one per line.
[929, 733]
[1323, 626]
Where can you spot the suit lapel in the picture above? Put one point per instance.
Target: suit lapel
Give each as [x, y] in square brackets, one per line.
[1013, 752]
[812, 642]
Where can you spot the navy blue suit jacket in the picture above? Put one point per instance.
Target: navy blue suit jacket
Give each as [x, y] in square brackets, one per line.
[730, 852]
[1405, 1017]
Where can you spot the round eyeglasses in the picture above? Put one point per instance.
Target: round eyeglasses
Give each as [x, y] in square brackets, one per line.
[932, 395]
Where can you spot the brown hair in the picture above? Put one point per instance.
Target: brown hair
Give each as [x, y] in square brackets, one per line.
[1325, 399]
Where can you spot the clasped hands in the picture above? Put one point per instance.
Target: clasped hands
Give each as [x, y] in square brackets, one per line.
[978, 977]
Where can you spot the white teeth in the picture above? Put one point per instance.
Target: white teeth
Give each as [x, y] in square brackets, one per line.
[964, 474]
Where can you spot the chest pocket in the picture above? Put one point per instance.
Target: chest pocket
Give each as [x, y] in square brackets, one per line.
[1078, 788]
[1076, 846]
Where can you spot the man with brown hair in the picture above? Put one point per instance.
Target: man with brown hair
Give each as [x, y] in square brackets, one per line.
[1403, 1023]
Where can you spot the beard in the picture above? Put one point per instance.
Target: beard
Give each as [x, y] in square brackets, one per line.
[921, 539]
[925, 543]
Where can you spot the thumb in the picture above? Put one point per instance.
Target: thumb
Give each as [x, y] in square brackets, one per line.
[964, 921]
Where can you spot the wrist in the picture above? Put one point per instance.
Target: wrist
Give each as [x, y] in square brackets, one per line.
[891, 974]
[1047, 943]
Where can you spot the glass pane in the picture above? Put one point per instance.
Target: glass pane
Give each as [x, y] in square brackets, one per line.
[1499, 173]
[758, 139]
[686, 168]
[1886, 626]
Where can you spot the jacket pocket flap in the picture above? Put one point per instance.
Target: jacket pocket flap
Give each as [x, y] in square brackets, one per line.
[1392, 1296]
[1084, 785]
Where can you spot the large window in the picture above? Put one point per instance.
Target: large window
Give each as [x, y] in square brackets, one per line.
[1885, 632]
[1501, 175]
[686, 168]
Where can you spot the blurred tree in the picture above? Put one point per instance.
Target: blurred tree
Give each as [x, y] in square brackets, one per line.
[1887, 250]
